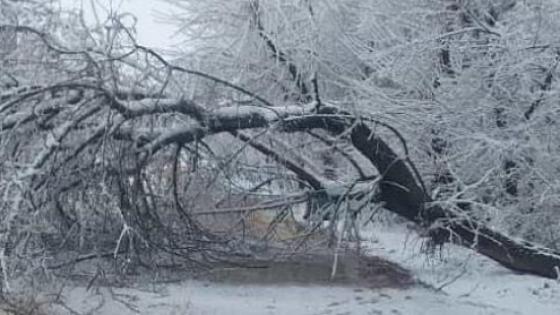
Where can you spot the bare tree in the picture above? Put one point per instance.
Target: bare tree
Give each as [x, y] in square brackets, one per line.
[107, 144]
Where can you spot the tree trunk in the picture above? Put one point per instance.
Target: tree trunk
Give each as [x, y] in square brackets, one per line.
[403, 195]
[401, 189]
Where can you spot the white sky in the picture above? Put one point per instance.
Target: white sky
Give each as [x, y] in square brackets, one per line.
[151, 30]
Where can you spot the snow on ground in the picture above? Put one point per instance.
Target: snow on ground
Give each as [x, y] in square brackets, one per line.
[460, 283]
[202, 298]
[468, 277]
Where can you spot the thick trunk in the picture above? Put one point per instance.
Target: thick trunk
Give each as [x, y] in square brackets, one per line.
[401, 189]
[516, 255]
[403, 195]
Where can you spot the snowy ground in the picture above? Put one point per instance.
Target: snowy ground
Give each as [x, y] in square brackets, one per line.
[463, 283]
[469, 278]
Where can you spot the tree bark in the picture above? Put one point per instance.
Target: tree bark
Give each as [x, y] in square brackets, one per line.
[401, 190]
[403, 195]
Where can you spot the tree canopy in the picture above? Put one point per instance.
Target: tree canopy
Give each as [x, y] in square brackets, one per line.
[441, 111]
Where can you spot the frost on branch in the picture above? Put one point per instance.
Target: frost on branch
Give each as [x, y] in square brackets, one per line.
[110, 150]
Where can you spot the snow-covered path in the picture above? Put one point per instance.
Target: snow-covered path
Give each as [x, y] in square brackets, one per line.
[199, 298]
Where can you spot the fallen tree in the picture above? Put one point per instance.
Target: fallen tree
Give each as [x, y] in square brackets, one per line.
[97, 140]
[401, 188]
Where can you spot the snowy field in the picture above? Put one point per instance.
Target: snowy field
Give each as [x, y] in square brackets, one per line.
[461, 283]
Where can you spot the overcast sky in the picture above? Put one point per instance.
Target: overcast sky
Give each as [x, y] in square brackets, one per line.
[151, 31]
